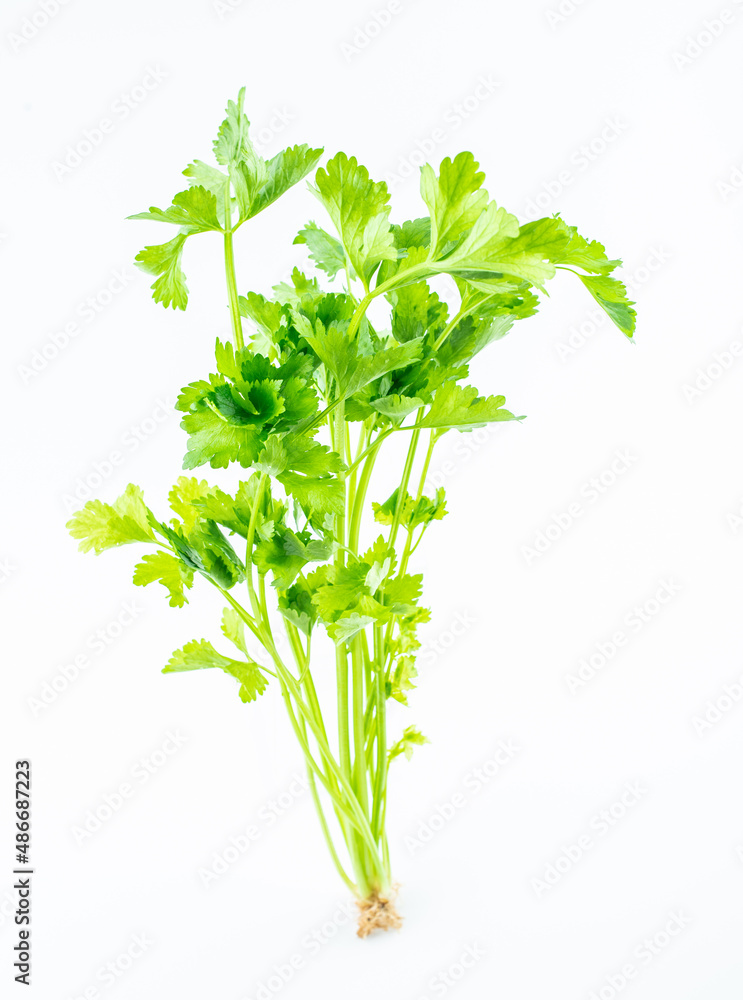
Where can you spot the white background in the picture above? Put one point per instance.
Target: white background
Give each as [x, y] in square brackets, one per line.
[652, 194]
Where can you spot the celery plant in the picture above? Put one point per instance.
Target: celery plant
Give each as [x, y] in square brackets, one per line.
[307, 405]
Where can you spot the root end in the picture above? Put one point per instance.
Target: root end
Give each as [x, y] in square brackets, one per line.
[378, 913]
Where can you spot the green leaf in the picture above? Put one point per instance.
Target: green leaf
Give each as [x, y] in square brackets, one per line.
[410, 739]
[233, 149]
[360, 212]
[300, 286]
[427, 510]
[413, 513]
[490, 245]
[454, 406]
[403, 591]
[283, 171]
[232, 143]
[173, 574]
[579, 252]
[396, 407]
[164, 260]
[309, 457]
[413, 233]
[209, 177]
[384, 513]
[304, 468]
[201, 655]
[348, 626]
[471, 335]
[219, 559]
[315, 495]
[380, 552]
[368, 369]
[337, 589]
[213, 440]
[325, 250]
[611, 295]
[278, 555]
[181, 497]
[416, 310]
[101, 526]
[297, 453]
[381, 559]
[233, 628]
[192, 394]
[455, 198]
[233, 513]
[487, 317]
[297, 607]
[195, 209]
[401, 679]
[229, 361]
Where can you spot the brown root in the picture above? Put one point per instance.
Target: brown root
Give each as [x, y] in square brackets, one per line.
[378, 913]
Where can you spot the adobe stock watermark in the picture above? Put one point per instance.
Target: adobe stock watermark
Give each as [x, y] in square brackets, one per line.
[464, 448]
[649, 949]
[705, 378]
[735, 519]
[432, 649]
[263, 137]
[733, 184]
[588, 495]
[596, 318]
[600, 824]
[97, 643]
[633, 622]
[111, 972]
[224, 7]
[239, 844]
[704, 37]
[409, 164]
[78, 151]
[7, 570]
[139, 775]
[718, 708]
[364, 34]
[309, 947]
[444, 980]
[474, 781]
[557, 16]
[85, 313]
[578, 162]
[34, 23]
[130, 441]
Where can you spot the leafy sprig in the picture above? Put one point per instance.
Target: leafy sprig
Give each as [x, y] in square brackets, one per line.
[306, 407]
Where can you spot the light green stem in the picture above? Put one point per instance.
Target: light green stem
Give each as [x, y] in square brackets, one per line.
[229, 267]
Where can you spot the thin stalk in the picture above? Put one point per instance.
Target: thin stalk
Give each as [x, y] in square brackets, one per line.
[302, 660]
[359, 742]
[354, 527]
[403, 487]
[341, 660]
[380, 777]
[382, 436]
[324, 823]
[250, 541]
[288, 682]
[229, 267]
[407, 551]
[354, 842]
